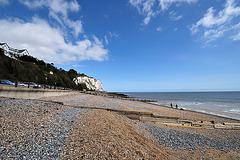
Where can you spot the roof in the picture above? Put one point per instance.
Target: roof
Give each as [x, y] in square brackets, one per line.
[22, 50]
[16, 50]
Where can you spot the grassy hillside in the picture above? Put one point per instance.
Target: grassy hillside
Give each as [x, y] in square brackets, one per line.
[30, 69]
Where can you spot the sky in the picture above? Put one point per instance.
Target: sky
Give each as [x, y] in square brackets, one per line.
[132, 45]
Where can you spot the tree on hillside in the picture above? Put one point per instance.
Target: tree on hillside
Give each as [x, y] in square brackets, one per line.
[1, 51]
[27, 58]
[72, 74]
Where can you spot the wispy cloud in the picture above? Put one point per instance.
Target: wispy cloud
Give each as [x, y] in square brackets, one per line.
[113, 34]
[151, 8]
[106, 40]
[159, 29]
[109, 36]
[34, 3]
[214, 25]
[144, 7]
[47, 43]
[174, 16]
[59, 6]
[236, 37]
[4, 2]
[78, 65]
[59, 10]
[165, 4]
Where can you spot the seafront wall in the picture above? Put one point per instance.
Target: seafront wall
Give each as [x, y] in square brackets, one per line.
[30, 93]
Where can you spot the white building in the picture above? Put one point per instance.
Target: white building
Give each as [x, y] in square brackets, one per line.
[11, 52]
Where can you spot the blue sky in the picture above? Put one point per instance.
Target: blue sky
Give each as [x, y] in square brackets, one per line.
[132, 45]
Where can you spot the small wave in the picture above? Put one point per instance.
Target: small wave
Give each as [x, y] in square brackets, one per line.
[198, 103]
[156, 103]
[202, 111]
[234, 111]
[187, 109]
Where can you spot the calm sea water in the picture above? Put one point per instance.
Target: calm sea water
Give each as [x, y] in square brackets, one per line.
[225, 104]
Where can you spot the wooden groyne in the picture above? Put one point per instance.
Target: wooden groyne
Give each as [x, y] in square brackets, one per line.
[116, 95]
[148, 117]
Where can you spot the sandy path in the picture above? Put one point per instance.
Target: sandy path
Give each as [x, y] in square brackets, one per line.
[101, 134]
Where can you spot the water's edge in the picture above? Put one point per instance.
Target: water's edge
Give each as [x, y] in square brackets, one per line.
[223, 104]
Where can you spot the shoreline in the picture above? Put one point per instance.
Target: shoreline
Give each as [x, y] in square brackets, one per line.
[123, 96]
[190, 110]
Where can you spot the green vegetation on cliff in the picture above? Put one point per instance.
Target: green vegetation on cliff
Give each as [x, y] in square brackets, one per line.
[29, 69]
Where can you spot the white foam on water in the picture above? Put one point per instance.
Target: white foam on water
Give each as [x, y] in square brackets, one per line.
[236, 111]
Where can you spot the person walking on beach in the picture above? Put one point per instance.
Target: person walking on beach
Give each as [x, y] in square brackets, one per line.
[176, 106]
[171, 105]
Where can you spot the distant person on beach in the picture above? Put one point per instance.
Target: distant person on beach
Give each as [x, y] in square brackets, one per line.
[176, 106]
[171, 104]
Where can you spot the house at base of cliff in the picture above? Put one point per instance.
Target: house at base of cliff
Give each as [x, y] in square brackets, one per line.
[12, 52]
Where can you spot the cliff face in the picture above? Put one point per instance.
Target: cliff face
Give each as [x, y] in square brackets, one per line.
[18, 65]
[91, 83]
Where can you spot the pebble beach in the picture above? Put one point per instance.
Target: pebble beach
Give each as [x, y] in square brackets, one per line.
[43, 129]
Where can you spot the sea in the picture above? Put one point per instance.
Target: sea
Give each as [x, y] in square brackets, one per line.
[225, 104]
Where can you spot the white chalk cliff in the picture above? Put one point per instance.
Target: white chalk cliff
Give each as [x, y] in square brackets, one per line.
[91, 83]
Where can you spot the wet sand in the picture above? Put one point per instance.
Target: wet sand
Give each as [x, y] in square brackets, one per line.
[44, 130]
